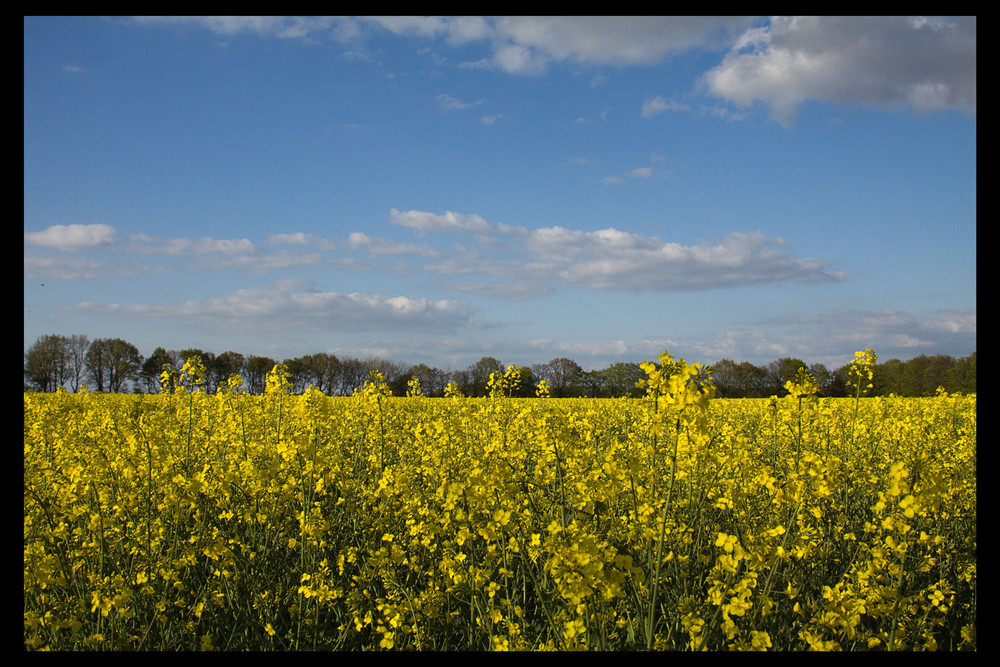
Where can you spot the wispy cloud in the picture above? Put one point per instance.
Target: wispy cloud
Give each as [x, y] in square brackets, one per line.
[449, 221]
[383, 246]
[491, 119]
[151, 245]
[636, 173]
[656, 105]
[302, 239]
[452, 103]
[63, 268]
[524, 45]
[284, 27]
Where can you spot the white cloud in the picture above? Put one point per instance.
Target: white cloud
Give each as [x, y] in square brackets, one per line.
[46, 268]
[284, 27]
[150, 245]
[291, 306]
[449, 221]
[72, 238]
[641, 173]
[528, 44]
[508, 290]
[610, 259]
[270, 262]
[656, 105]
[452, 103]
[890, 62]
[301, 238]
[383, 246]
[491, 119]
[611, 40]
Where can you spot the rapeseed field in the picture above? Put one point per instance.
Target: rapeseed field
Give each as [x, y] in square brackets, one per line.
[678, 521]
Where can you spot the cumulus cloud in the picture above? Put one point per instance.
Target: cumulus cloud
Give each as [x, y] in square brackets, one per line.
[883, 61]
[290, 305]
[606, 40]
[72, 238]
[611, 259]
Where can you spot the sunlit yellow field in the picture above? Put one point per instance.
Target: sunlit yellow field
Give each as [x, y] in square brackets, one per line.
[188, 521]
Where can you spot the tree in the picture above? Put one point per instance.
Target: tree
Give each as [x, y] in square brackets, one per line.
[962, 376]
[887, 378]
[937, 373]
[620, 378]
[317, 370]
[324, 368]
[124, 362]
[432, 380]
[823, 376]
[561, 373]
[781, 371]
[257, 369]
[462, 380]
[479, 374]
[152, 368]
[741, 380]
[352, 374]
[207, 359]
[727, 378]
[78, 345]
[47, 362]
[591, 384]
[111, 363]
[526, 384]
[394, 372]
[225, 366]
[96, 363]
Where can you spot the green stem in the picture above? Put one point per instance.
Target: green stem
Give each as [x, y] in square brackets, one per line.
[659, 547]
[899, 599]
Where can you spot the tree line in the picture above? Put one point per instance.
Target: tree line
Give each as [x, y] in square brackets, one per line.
[115, 365]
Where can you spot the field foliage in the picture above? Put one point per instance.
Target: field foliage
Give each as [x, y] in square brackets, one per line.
[187, 521]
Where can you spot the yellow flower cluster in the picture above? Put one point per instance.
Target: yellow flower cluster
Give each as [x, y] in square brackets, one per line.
[190, 521]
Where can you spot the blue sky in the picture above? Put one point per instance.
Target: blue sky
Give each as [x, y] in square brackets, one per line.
[435, 190]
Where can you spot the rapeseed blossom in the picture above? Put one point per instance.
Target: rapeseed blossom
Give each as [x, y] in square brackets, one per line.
[187, 521]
